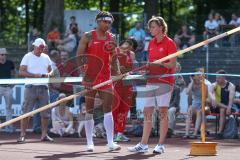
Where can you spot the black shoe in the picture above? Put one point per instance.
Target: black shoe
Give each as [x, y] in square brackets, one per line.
[47, 139]
[54, 135]
[21, 140]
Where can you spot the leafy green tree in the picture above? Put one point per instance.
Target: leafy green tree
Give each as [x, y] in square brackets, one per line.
[53, 15]
[16, 17]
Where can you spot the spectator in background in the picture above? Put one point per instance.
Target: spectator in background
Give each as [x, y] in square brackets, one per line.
[112, 30]
[184, 37]
[139, 35]
[211, 29]
[137, 32]
[234, 20]
[77, 35]
[195, 104]
[69, 43]
[34, 34]
[220, 19]
[223, 95]
[236, 101]
[67, 69]
[52, 37]
[62, 119]
[148, 37]
[72, 23]
[139, 52]
[54, 87]
[174, 107]
[7, 70]
[36, 64]
[173, 110]
[179, 80]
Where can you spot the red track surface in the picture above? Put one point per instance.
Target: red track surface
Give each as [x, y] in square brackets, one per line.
[74, 148]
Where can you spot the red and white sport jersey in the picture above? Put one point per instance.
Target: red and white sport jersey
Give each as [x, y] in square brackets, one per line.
[98, 61]
[157, 51]
[125, 59]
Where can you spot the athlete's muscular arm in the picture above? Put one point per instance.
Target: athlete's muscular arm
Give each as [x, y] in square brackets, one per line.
[114, 60]
[81, 58]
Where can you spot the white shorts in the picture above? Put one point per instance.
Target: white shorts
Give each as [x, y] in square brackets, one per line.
[158, 95]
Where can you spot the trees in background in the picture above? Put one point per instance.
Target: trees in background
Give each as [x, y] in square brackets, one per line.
[18, 17]
[53, 15]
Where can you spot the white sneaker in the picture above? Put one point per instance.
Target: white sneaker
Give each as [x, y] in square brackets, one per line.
[140, 148]
[159, 149]
[90, 148]
[113, 147]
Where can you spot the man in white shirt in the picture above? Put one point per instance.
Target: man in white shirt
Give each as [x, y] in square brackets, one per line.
[234, 20]
[36, 64]
[211, 28]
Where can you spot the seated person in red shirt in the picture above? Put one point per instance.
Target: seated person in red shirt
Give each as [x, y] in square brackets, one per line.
[67, 69]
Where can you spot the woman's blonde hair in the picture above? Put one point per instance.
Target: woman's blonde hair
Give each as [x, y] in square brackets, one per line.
[160, 22]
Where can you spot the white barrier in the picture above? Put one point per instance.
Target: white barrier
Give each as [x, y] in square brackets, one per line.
[18, 98]
[18, 95]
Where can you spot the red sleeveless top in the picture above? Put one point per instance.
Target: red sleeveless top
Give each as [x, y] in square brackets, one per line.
[125, 59]
[97, 68]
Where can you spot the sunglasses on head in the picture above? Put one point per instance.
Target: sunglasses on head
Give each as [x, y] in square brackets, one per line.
[3, 54]
[41, 46]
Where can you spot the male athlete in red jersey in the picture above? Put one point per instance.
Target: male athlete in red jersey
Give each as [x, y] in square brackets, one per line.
[95, 52]
[123, 92]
